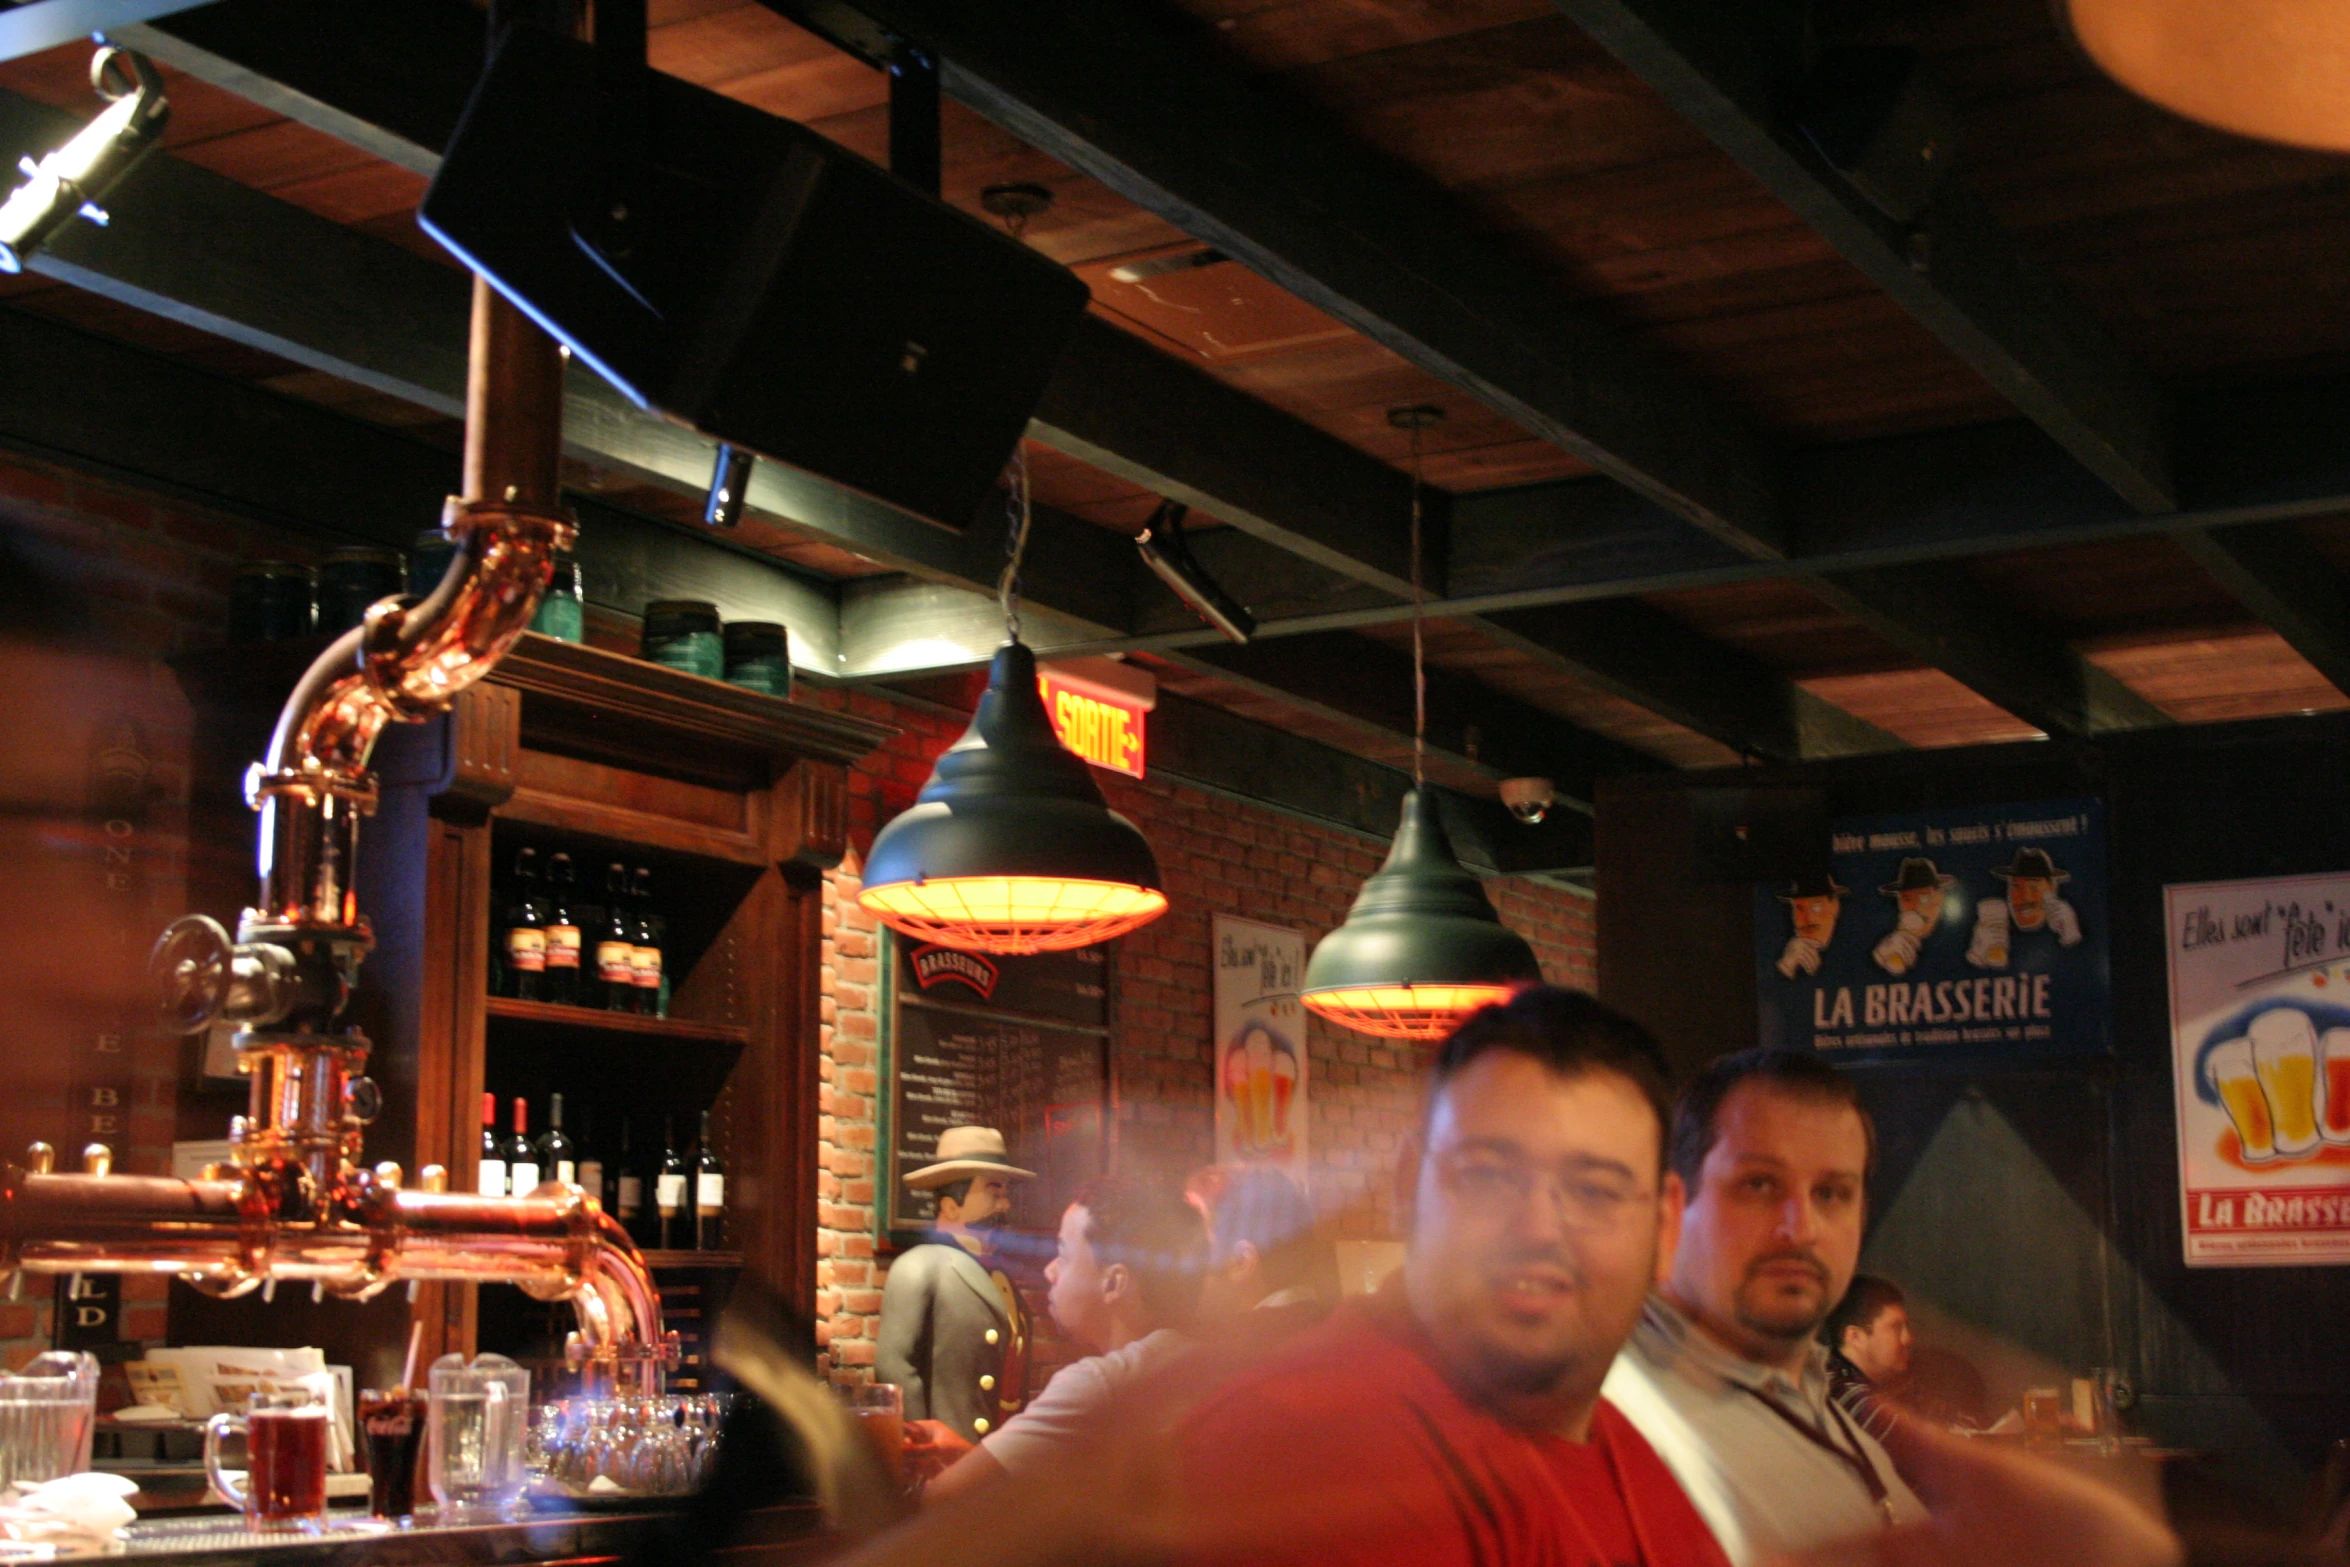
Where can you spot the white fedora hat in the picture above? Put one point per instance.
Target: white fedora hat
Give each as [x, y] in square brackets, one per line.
[966, 1151]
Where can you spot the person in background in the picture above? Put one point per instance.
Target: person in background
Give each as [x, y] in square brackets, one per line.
[954, 1334]
[1269, 1273]
[1725, 1375]
[1125, 1284]
[1455, 1417]
[1868, 1352]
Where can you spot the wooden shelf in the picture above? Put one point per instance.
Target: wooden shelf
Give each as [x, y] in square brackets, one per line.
[548, 1014]
[658, 1260]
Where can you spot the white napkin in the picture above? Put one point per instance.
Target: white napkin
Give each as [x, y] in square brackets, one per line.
[83, 1512]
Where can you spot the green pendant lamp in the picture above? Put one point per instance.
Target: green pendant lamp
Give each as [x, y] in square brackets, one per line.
[1422, 948]
[1010, 848]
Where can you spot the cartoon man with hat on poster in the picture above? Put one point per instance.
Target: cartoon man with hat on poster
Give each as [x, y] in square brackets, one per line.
[2031, 904]
[1918, 888]
[954, 1336]
[1813, 903]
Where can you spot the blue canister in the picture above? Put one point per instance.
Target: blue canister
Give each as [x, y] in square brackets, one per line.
[563, 611]
[272, 600]
[353, 578]
[758, 656]
[683, 634]
[429, 555]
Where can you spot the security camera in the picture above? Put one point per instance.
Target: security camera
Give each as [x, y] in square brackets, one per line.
[1529, 799]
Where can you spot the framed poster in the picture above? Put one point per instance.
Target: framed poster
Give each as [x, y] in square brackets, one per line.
[2260, 1052]
[1262, 1078]
[1019, 1044]
[1943, 934]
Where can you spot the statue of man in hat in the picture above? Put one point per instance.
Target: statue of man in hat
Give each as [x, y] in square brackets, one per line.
[954, 1336]
[2031, 903]
[1918, 888]
[1813, 903]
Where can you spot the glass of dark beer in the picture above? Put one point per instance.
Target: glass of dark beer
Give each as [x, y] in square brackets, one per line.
[391, 1424]
[285, 1465]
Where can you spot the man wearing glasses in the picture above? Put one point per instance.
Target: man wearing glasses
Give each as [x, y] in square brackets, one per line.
[1455, 1417]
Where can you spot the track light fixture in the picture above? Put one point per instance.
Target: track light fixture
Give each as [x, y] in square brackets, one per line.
[730, 487]
[78, 177]
[1168, 553]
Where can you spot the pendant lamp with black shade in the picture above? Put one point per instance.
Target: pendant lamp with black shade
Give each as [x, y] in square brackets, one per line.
[1010, 847]
[1422, 948]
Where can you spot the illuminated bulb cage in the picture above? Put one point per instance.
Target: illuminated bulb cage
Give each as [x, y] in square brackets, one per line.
[1010, 848]
[1418, 1012]
[1012, 916]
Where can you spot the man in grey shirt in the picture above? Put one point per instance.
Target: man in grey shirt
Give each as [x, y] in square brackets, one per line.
[1725, 1375]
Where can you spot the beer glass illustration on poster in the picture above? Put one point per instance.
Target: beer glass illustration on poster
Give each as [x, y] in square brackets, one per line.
[2260, 1051]
[1260, 1046]
[1944, 933]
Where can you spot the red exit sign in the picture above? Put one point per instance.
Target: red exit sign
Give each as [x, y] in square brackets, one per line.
[1098, 707]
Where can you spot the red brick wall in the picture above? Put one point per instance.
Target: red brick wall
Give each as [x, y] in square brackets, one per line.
[1219, 855]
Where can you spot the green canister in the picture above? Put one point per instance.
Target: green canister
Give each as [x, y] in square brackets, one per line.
[758, 656]
[683, 634]
[563, 612]
[353, 579]
[271, 601]
[429, 554]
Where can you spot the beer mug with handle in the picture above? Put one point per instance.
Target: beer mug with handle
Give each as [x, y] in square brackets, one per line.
[479, 1420]
[47, 1413]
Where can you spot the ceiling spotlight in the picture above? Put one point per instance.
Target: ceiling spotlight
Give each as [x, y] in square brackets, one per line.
[76, 178]
[730, 487]
[1166, 552]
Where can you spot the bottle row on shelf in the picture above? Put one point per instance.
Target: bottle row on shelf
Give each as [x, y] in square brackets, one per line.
[552, 946]
[666, 1201]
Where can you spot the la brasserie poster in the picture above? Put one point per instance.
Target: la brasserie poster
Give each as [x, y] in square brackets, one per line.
[2260, 1051]
[1977, 932]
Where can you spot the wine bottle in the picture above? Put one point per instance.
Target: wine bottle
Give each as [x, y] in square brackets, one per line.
[669, 1192]
[709, 1195]
[492, 1182]
[616, 946]
[591, 1159]
[556, 1155]
[526, 930]
[561, 980]
[522, 1160]
[629, 1205]
[651, 930]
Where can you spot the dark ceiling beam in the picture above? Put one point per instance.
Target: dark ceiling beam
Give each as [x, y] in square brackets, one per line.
[1945, 620]
[1136, 96]
[2285, 580]
[1722, 65]
[1624, 646]
[1354, 680]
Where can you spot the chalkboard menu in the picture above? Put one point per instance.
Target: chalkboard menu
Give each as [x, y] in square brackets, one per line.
[1019, 1044]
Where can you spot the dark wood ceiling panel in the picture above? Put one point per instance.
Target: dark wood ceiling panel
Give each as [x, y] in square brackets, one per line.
[2119, 588]
[1786, 626]
[2217, 676]
[1923, 706]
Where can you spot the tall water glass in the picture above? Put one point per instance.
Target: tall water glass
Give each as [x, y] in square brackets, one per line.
[476, 1431]
[47, 1412]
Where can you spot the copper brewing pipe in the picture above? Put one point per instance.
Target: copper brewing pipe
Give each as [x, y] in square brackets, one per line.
[513, 407]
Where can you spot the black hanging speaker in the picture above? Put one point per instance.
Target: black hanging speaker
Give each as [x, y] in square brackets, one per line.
[741, 274]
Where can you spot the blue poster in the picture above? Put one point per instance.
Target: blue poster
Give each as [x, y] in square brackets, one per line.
[1945, 933]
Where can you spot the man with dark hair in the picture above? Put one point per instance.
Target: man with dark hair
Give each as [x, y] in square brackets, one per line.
[1868, 1351]
[1725, 1375]
[1455, 1417]
[1125, 1284]
[1269, 1273]
[954, 1335]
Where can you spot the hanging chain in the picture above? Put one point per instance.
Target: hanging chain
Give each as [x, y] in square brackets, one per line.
[1016, 508]
[1419, 650]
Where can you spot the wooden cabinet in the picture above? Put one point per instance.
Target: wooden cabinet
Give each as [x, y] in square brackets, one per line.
[736, 802]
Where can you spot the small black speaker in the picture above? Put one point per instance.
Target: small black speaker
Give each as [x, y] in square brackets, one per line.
[758, 283]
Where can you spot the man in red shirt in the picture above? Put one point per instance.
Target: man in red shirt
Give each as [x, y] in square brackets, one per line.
[1455, 1417]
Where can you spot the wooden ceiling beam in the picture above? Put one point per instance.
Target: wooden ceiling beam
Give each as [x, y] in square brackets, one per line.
[1723, 64]
[1136, 96]
[1638, 652]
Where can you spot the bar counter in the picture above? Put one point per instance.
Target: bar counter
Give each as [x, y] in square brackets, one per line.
[774, 1535]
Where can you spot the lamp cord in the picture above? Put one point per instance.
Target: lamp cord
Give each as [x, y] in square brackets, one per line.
[1007, 588]
[1419, 652]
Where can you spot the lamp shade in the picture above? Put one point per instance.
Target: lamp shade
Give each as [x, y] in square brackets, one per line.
[1422, 948]
[1010, 847]
[2277, 69]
